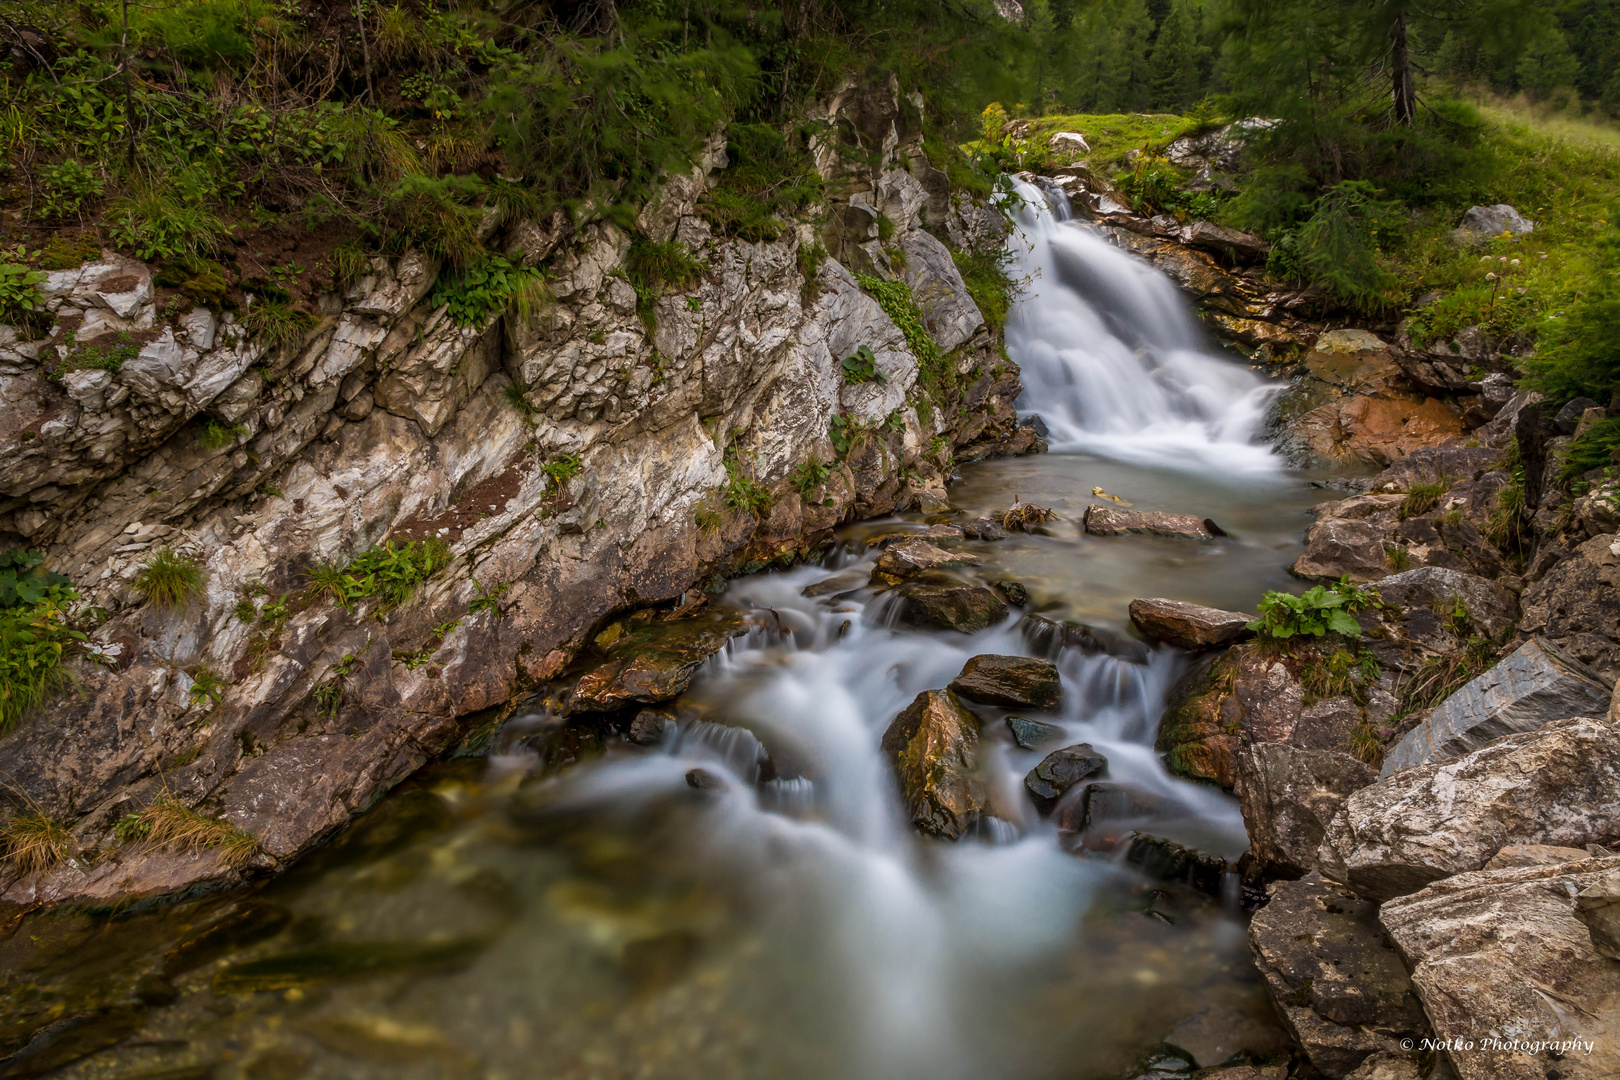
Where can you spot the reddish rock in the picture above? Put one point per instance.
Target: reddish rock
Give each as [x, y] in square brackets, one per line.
[1189, 626]
[1110, 521]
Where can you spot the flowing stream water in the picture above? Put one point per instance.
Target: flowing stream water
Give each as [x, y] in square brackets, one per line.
[493, 919]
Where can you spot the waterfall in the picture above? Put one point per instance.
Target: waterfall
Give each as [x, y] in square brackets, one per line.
[1113, 361]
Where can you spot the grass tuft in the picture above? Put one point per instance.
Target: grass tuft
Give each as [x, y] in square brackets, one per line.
[34, 841]
[167, 822]
[1421, 498]
[169, 580]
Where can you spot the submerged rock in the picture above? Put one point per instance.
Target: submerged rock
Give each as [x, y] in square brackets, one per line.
[1009, 681]
[932, 745]
[1289, 795]
[653, 663]
[1342, 992]
[1110, 521]
[938, 602]
[1559, 785]
[1502, 956]
[1535, 685]
[1189, 626]
[1061, 770]
[1166, 860]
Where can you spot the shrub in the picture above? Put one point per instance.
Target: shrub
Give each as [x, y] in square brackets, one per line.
[770, 176]
[861, 368]
[169, 579]
[33, 841]
[68, 186]
[1340, 246]
[486, 286]
[1320, 610]
[809, 476]
[1594, 449]
[391, 572]
[488, 599]
[348, 263]
[21, 303]
[156, 224]
[277, 322]
[35, 635]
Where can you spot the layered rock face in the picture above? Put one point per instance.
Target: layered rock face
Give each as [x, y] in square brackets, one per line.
[388, 421]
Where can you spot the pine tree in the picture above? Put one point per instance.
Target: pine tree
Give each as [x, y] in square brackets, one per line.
[1173, 81]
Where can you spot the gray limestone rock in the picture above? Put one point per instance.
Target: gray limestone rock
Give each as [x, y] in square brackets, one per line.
[1289, 795]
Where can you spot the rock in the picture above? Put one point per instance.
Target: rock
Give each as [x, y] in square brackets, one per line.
[1348, 341]
[1518, 855]
[937, 602]
[1189, 626]
[1249, 1072]
[1535, 685]
[912, 557]
[1335, 548]
[1215, 1035]
[948, 310]
[1108, 806]
[1068, 142]
[651, 727]
[1166, 860]
[1576, 605]
[932, 745]
[846, 582]
[1032, 734]
[1558, 785]
[1109, 521]
[1568, 418]
[1500, 957]
[1288, 796]
[1436, 589]
[1061, 770]
[1598, 906]
[1009, 681]
[1387, 1065]
[704, 780]
[1482, 223]
[984, 529]
[1342, 992]
[653, 663]
[1230, 244]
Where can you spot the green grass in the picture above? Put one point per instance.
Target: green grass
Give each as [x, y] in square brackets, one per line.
[217, 436]
[168, 579]
[276, 322]
[1110, 135]
[1421, 498]
[390, 572]
[166, 821]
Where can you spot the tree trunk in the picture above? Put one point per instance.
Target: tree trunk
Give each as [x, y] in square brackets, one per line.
[1400, 55]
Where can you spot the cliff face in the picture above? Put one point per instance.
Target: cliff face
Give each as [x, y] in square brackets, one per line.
[389, 422]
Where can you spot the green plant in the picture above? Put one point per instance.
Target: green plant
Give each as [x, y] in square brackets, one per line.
[156, 223]
[771, 176]
[277, 322]
[1150, 185]
[488, 599]
[329, 580]
[348, 263]
[275, 613]
[810, 257]
[217, 436]
[1396, 557]
[743, 492]
[861, 368]
[487, 286]
[167, 821]
[99, 355]
[67, 187]
[328, 699]
[513, 393]
[809, 476]
[168, 579]
[935, 373]
[843, 433]
[707, 519]
[21, 303]
[24, 581]
[206, 685]
[394, 572]
[1319, 610]
[1365, 745]
[561, 469]
[651, 267]
[1423, 497]
[33, 841]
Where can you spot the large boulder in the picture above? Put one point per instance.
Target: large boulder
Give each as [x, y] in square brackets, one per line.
[1109, 521]
[1189, 626]
[1435, 591]
[1598, 906]
[1009, 681]
[652, 663]
[1061, 770]
[1229, 245]
[1340, 989]
[932, 745]
[1559, 785]
[1576, 605]
[1482, 223]
[936, 601]
[1335, 548]
[1288, 796]
[1505, 967]
[1532, 687]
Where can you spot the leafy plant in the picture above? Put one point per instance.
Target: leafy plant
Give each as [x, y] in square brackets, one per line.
[1423, 497]
[68, 186]
[1320, 610]
[24, 581]
[843, 433]
[486, 286]
[488, 599]
[652, 267]
[168, 579]
[277, 322]
[861, 368]
[206, 685]
[394, 572]
[561, 469]
[21, 303]
[217, 436]
[156, 223]
[99, 355]
[809, 476]
[743, 492]
[513, 393]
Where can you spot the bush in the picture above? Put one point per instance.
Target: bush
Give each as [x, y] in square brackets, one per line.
[486, 286]
[276, 322]
[985, 275]
[809, 476]
[743, 492]
[35, 635]
[169, 579]
[770, 177]
[21, 303]
[67, 188]
[861, 368]
[390, 572]
[157, 224]
[1320, 610]
[1340, 246]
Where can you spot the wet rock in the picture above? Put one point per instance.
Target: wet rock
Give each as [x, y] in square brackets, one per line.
[1013, 592]
[1049, 638]
[1108, 809]
[932, 745]
[340, 960]
[1482, 223]
[1166, 860]
[1215, 1035]
[1061, 770]
[984, 529]
[1519, 855]
[838, 583]
[1110, 521]
[1503, 955]
[1534, 686]
[938, 602]
[704, 780]
[909, 558]
[1335, 548]
[71, 1038]
[1032, 734]
[1576, 605]
[654, 662]
[1340, 989]
[1288, 796]
[1249, 1072]
[1558, 785]
[651, 727]
[1189, 626]
[1009, 681]
[1434, 463]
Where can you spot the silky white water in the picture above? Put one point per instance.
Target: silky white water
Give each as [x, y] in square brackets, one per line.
[1112, 359]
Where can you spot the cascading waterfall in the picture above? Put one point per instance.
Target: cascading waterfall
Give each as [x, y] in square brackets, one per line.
[1112, 360]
